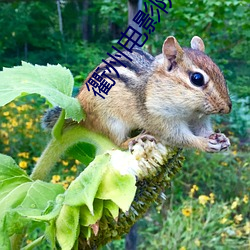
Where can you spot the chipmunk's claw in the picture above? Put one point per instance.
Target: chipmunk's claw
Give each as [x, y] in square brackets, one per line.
[218, 142]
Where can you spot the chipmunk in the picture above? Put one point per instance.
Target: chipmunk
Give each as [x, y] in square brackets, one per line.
[170, 96]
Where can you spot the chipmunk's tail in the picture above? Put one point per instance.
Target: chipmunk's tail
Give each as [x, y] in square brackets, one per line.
[50, 118]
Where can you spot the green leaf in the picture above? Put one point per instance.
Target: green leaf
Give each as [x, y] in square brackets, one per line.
[118, 188]
[112, 208]
[86, 218]
[9, 168]
[34, 243]
[83, 189]
[58, 127]
[67, 226]
[83, 152]
[6, 186]
[53, 82]
[39, 194]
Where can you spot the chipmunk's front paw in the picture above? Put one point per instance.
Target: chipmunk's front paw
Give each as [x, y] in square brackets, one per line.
[218, 142]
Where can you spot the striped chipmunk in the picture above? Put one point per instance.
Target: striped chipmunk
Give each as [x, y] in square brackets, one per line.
[169, 97]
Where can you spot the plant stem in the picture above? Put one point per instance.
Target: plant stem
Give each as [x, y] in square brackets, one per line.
[57, 147]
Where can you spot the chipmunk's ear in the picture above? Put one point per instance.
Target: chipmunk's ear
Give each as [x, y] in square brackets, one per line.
[172, 50]
[197, 43]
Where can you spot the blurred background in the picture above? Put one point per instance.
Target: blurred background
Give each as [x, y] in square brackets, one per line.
[207, 206]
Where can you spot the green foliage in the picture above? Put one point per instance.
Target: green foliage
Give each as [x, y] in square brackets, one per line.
[195, 225]
[52, 82]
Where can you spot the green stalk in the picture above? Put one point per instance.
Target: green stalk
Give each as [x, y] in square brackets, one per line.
[57, 146]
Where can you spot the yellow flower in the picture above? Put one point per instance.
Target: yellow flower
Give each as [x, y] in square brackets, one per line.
[65, 185]
[203, 199]
[223, 235]
[70, 178]
[245, 199]
[238, 218]
[211, 195]
[234, 152]
[182, 248]
[193, 190]
[73, 168]
[187, 211]
[65, 163]
[6, 113]
[77, 162]
[223, 220]
[29, 124]
[247, 227]
[14, 123]
[4, 134]
[35, 159]
[24, 155]
[238, 233]
[235, 203]
[55, 178]
[224, 164]
[23, 164]
[12, 105]
[197, 242]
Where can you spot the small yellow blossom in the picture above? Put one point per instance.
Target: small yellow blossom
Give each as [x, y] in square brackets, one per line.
[55, 178]
[187, 211]
[73, 168]
[77, 162]
[24, 155]
[234, 152]
[224, 164]
[65, 185]
[238, 233]
[238, 218]
[29, 124]
[203, 199]
[14, 123]
[6, 141]
[235, 203]
[12, 105]
[247, 227]
[70, 178]
[65, 163]
[35, 159]
[193, 190]
[223, 235]
[183, 248]
[223, 220]
[245, 199]
[23, 164]
[6, 113]
[197, 242]
[4, 134]
[211, 195]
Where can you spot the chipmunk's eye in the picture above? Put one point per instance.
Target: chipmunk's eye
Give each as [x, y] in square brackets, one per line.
[197, 79]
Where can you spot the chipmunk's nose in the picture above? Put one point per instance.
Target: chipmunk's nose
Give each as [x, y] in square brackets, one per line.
[227, 108]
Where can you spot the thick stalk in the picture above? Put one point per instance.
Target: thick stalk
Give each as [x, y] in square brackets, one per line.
[57, 147]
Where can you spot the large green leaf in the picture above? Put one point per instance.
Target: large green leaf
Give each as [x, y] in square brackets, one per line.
[9, 168]
[118, 188]
[53, 82]
[83, 152]
[83, 189]
[67, 226]
[20, 197]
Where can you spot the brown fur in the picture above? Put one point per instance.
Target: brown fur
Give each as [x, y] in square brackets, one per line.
[156, 95]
